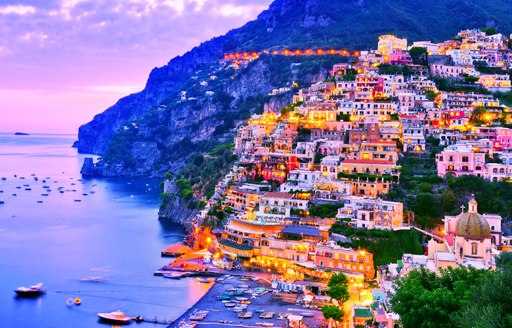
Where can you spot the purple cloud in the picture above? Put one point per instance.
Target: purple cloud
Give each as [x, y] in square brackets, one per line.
[101, 49]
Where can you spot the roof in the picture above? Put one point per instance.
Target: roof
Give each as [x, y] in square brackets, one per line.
[295, 229]
[445, 256]
[363, 313]
[367, 161]
[278, 195]
[472, 225]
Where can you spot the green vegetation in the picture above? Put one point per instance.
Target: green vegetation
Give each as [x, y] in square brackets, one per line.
[338, 290]
[394, 69]
[333, 312]
[203, 171]
[455, 85]
[364, 176]
[343, 117]
[419, 55]
[456, 298]
[431, 197]
[119, 149]
[324, 210]
[386, 246]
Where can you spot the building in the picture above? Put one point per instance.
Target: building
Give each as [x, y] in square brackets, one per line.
[274, 207]
[372, 213]
[460, 159]
[370, 166]
[473, 237]
[388, 43]
[466, 101]
[495, 82]
[331, 256]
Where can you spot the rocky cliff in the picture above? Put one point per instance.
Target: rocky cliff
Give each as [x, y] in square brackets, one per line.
[194, 102]
[175, 208]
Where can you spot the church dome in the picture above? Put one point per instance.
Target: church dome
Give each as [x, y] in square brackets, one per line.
[472, 225]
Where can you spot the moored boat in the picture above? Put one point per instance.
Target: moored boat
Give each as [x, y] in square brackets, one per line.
[32, 291]
[115, 317]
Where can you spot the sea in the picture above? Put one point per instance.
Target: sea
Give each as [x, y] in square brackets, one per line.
[61, 230]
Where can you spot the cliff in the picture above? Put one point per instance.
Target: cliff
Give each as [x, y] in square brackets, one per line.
[287, 23]
[176, 208]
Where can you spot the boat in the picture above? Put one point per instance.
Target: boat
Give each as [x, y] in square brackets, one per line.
[267, 315]
[245, 315]
[307, 314]
[185, 324]
[33, 291]
[4, 178]
[264, 324]
[224, 297]
[229, 304]
[77, 301]
[245, 302]
[78, 200]
[203, 280]
[44, 194]
[2, 201]
[198, 315]
[39, 201]
[93, 279]
[115, 317]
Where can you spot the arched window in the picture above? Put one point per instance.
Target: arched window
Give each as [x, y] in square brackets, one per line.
[474, 248]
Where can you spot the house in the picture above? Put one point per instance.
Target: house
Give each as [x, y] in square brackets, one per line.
[276, 206]
[495, 82]
[372, 213]
[460, 159]
[388, 43]
[330, 255]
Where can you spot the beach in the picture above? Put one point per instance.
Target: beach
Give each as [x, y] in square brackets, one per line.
[220, 316]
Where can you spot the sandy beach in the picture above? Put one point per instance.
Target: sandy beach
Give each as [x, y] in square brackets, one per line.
[221, 316]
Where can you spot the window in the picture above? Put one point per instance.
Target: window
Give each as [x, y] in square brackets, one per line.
[465, 159]
[474, 248]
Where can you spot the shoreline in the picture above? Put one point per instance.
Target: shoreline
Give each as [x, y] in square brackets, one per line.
[221, 316]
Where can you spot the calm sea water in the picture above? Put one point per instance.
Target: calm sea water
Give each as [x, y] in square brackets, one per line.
[112, 233]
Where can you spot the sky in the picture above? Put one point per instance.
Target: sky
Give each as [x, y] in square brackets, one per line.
[64, 61]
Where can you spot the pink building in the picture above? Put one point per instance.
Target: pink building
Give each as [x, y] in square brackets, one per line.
[460, 159]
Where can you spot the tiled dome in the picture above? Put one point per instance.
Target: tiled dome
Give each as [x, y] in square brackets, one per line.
[472, 225]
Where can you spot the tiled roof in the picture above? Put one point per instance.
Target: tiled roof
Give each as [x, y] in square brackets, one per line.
[278, 195]
[367, 161]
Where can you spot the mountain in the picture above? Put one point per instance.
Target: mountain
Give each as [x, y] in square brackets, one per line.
[153, 131]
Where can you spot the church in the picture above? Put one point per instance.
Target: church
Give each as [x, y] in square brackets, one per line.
[471, 239]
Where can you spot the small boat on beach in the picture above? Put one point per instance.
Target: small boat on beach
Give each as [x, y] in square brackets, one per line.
[267, 315]
[78, 200]
[245, 315]
[203, 280]
[307, 314]
[198, 315]
[33, 291]
[115, 317]
[264, 324]
[229, 304]
[185, 324]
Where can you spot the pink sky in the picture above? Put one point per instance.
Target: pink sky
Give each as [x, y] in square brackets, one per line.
[64, 61]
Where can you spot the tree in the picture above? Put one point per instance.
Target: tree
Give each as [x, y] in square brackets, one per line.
[488, 30]
[339, 293]
[419, 55]
[338, 279]
[426, 299]
[333, 312]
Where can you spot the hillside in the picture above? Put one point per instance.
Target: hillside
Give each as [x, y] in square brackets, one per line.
[151, 132]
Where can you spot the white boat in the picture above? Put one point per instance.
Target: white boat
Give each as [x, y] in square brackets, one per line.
[32, 291]
[93, 279]
[115, 317]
